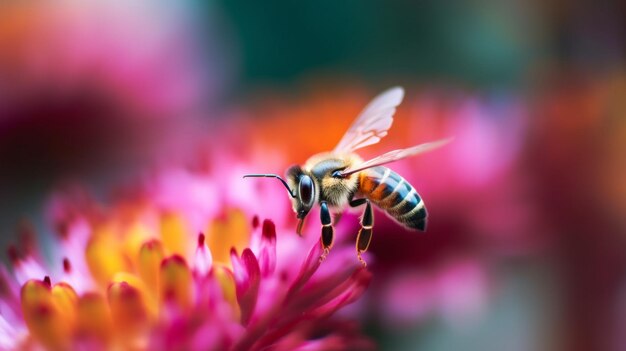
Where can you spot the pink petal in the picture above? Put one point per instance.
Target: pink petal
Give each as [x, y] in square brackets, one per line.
[255, 222]
[247, 280]
[306, 299]
[239, 270]
[72, 247]
[357, 284]
[203, 260]
[26, 268]
[310, 265]
[267, 253]
[9, 297]
[327, 288]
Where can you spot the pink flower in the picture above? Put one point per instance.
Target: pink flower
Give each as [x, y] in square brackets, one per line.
[457, 291]
[136, 275]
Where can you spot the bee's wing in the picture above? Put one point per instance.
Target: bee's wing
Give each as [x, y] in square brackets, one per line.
[373, 122]
[396, 155]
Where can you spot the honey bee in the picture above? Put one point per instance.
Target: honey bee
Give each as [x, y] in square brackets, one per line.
[340, 178]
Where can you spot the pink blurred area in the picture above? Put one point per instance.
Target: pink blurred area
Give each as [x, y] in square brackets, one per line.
[142, 55]
[90, 88]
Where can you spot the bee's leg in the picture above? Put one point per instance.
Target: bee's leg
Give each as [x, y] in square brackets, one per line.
[364, 237]
[327, 230]
[357, 202]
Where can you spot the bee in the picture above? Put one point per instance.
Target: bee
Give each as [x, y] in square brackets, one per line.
[340, 178]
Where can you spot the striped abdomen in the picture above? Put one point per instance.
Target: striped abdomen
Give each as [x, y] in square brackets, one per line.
[389, 191]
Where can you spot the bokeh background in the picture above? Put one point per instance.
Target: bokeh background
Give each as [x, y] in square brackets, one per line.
[525, 248]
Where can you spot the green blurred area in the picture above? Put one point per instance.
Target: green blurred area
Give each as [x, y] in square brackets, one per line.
[470, 42]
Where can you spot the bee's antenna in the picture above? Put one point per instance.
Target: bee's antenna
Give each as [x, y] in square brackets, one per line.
[291, 192]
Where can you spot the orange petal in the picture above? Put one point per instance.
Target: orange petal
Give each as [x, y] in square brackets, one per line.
[223, 234]
[65, 297]
[176, 282]
[94, 319]
[44, 316]
[148, 263]
[104, 255]
[134, 236]
[129, 314]
[148, 297]
[174, 233]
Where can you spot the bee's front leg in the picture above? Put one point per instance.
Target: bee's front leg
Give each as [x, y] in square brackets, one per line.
[328, 236]
[364, 237]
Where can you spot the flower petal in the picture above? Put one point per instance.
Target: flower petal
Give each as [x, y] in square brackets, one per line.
[320, 292]
[9, 296]
[43, 315]
[230, 230]
[176, 283]
[10, 335]
[149, 260]
[104, 255]
[94, 324]
[150, 302]
[174, 233]
[73, 248]
[25, 267]
[356, 286]
[203, 260]
[310, 265]
[65, 297]
[227, 288]
[267, 252]
[247, 279]
[129, 314]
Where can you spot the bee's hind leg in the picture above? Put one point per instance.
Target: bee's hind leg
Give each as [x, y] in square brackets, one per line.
[364, 237]
[328, 235]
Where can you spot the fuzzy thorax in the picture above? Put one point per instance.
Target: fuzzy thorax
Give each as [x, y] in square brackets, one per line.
[335, 191]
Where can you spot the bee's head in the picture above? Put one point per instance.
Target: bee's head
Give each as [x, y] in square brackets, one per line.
[305, 193]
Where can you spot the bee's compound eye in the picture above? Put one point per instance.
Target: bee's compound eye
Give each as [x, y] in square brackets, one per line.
[306, 190]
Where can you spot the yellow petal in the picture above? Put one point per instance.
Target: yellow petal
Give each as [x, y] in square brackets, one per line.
[228, 232]
[148, 264]
[134, 236]
[176, 282]
[44, 317]
[104, 255]
[66, 299]
[174, 233]
[94, 319]
[148, 298]
[226, 281]
[129, 315]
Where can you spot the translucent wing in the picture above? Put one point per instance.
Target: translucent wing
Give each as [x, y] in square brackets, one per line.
[373, 122]
[396, 155]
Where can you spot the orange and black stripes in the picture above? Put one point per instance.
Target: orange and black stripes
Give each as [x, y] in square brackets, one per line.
[389, 191]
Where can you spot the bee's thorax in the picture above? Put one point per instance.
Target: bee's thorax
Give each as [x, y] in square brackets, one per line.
[336, 191]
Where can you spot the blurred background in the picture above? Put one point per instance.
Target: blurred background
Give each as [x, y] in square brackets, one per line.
[525, 248]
